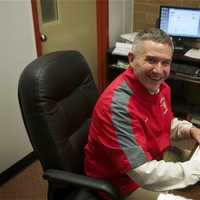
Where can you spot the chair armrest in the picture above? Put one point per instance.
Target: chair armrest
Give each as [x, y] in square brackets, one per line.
[81, 180]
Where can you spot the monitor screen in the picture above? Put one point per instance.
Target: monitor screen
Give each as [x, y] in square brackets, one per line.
[180, 22]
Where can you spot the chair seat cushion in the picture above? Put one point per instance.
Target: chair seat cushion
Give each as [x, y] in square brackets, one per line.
[83, 194]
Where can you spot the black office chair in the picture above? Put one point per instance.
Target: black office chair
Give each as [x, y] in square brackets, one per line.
[57, 95]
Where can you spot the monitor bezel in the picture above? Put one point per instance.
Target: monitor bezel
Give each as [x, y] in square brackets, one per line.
[179, 37]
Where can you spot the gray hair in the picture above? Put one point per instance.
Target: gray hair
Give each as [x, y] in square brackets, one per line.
[152, 34]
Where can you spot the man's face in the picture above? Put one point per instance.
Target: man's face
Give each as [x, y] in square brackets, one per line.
[151, 64]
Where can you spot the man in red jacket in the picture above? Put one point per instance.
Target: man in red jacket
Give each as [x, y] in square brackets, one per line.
[133, 123]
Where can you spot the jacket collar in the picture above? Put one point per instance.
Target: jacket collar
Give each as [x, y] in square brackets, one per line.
[139, 89]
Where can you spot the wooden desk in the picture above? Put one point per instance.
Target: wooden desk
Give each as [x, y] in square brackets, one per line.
[192, 192]
[189, 193]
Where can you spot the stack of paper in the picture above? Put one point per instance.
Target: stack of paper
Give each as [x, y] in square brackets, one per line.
[122, 48]
[165, 196]
[193, 53]
[129, 36]
[196, 154]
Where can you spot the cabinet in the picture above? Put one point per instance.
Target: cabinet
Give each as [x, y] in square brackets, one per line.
[185, 89]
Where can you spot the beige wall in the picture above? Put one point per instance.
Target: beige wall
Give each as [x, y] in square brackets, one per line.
[147, 11]
[120, 19]
[17, 50]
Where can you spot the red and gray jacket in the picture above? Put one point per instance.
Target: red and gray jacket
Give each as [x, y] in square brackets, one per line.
[129, 127]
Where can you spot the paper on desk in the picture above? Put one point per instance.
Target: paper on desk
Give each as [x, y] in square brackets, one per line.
[122, 48]
[165, 196]
[193, 53]
[129, 36]
[196, 154]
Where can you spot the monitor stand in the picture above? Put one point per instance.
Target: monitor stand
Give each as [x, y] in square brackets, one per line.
[179, 46]
[180, 50]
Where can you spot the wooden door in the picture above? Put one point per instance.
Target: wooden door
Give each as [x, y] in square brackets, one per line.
[69, 25]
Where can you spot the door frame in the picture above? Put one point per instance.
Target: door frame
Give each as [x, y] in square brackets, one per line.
[102, 40]
[102, 37]
[36, 27]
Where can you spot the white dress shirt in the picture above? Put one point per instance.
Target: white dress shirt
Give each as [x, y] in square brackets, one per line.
[161, 175]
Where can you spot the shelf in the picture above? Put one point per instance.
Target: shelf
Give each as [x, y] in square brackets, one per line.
[115, 66]
[185, 77]
[120, 64]
[174, 76]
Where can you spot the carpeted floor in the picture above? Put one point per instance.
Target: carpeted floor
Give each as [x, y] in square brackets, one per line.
[27, 185]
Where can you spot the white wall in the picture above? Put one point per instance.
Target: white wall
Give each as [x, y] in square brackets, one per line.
[120, 19]
[17, 49]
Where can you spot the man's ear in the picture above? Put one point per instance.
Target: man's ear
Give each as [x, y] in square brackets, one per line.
[131, 57]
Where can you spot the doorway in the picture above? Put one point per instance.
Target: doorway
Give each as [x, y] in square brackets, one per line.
[68, 25]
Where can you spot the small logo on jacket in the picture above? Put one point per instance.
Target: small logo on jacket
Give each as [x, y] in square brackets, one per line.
[163, 105]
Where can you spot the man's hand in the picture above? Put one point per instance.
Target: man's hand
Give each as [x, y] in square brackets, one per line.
[195, 134]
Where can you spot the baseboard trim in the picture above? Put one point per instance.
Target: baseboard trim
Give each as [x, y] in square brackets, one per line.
[17, 167]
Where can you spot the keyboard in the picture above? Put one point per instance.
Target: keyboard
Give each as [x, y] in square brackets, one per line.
[185, 69]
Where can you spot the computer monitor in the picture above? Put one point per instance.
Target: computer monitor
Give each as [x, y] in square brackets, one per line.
[180, 23]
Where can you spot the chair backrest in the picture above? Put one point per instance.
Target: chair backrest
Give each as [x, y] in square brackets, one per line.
[57, 94]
